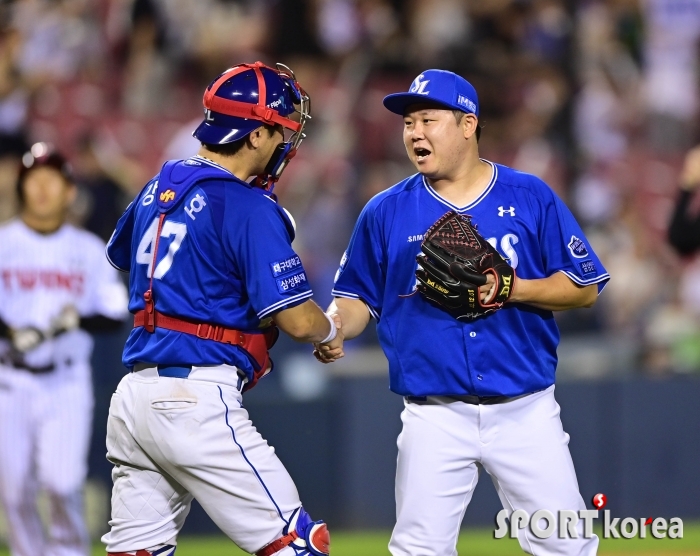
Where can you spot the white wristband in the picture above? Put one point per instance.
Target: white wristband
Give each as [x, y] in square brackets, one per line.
[333, 333]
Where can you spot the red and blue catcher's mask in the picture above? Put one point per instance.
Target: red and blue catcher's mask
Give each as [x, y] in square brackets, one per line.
[242, 98]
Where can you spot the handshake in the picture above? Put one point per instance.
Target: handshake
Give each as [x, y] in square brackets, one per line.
[331, 348]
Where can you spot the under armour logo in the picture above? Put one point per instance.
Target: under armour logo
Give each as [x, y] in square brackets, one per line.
[418, 86]
[502, 211]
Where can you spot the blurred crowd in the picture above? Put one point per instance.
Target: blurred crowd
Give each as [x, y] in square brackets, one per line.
[598, 97]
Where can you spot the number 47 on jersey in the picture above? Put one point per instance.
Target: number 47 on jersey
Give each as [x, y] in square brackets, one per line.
[144, 253]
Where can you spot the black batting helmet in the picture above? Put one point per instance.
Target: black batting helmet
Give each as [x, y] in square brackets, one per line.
[39, 155]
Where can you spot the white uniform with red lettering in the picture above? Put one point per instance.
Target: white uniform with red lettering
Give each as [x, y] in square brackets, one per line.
[46, 395]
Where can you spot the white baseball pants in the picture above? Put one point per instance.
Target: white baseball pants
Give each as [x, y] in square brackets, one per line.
[175, 439]
[521, 444]
[45, 424]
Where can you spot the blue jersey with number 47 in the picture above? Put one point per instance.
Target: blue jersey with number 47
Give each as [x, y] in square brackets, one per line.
[506, 353]
[224, 257]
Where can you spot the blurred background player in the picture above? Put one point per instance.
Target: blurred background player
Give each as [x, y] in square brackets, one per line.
[212, 275]
[55, 287]
[684, 231]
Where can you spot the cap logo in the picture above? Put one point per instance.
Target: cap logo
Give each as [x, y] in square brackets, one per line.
[467, 103]
[277, 103]
[418, 86]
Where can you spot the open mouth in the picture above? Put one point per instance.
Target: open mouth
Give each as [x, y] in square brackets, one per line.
[421, 153]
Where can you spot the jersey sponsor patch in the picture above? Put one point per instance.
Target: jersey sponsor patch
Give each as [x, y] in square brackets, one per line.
[290, 283]
[577, 248]
[286, 266]
[587, 267]
[167, 196]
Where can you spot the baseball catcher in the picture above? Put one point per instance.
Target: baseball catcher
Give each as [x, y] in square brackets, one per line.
[455, 261]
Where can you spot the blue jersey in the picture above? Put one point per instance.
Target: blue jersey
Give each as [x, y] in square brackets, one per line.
[224, 257]
[509, 352]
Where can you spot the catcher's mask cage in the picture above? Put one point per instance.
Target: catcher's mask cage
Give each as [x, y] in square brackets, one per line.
[242, 97]
[40, 155]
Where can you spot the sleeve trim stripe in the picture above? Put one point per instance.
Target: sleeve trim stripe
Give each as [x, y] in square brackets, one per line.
[589, 282]
[339, 293]
[110, 262]
[275, 306]
[348, 295]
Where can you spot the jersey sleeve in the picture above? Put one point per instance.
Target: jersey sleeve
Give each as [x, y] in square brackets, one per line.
[105, 292]
[272, 272]
[362, 270]
[119, 246]
[565, 247]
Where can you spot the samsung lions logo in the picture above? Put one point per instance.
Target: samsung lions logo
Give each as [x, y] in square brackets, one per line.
[418, 86]
[577, 248]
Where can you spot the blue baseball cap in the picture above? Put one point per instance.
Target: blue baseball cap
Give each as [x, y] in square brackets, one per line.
[442, 87]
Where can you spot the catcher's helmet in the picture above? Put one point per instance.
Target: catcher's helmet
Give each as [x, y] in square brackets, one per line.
[42, 154]
[248, 95]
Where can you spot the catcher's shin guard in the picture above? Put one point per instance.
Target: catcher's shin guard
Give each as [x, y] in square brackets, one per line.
[162, 550]
[306, 537]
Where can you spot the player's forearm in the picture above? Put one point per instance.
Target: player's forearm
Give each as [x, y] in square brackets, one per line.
[353, 313]
[304, 323]
[555, 293]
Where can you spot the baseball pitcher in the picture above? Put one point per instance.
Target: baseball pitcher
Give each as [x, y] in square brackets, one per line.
[462, 265]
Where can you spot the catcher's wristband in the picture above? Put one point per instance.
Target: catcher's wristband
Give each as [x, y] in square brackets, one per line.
[333, 333]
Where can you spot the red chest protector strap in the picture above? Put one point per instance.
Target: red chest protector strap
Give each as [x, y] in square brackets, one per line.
[256, 345]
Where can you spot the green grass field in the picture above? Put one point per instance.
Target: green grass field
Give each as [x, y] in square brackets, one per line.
[473, 542]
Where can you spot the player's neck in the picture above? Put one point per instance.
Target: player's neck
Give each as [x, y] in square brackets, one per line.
[466, 184]
[237, 165]
[42, 225]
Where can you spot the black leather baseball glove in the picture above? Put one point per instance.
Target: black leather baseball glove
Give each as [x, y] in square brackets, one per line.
[454, 261]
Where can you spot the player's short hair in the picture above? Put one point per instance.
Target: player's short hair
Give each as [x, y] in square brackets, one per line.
[459, 115]
[230, 149]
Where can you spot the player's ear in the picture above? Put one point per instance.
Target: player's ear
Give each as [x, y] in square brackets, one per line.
[470, 124]
[255, 137]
